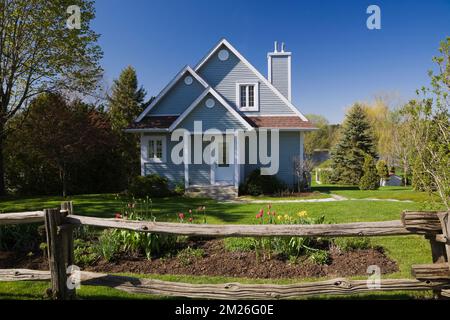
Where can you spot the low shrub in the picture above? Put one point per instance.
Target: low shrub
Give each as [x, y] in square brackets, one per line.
[352, 243]
[152, 185]
[239, 244]
[179, 188]
[22, 237]
[319, 256]
[257, 184]
[188, 256]
[325, 176]
[108, 245]
[85, 253]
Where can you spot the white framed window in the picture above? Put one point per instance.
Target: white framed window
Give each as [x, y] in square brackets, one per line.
[155, 147]
[247, 96]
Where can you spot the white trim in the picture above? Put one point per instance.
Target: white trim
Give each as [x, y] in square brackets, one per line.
[255, 71]
[169, 86]
[269, 68]
[237, 165]
[255, 96]
[194, 104]
[145, 140]
[289, 79]
[212, 173]
[186, 155]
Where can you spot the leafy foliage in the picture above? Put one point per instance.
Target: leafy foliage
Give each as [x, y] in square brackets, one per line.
[61, 146]
[40, 54]
[188, 255]
[356, 141]
[427, 121]
[107, 245]
[26, 237]
[152, 185]
[370, 179]
[382, 169]
[125, 103]
[352, 243]
[257, 184]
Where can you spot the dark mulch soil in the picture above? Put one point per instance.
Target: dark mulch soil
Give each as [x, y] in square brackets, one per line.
[219, 262]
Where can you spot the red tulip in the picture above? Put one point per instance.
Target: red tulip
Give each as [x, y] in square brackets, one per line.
[190, 219]
[181, 216]
[118, 215]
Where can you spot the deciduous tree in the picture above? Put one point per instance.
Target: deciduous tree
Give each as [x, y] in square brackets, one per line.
[39, 53]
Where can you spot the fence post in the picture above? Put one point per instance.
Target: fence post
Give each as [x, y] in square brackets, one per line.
[60, 251]
[67, 242]
[438, 256]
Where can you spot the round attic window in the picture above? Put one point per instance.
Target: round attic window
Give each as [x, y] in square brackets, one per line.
[224, 55]
[188, 80]
[210, 103]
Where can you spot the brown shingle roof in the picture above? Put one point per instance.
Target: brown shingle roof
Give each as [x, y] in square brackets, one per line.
[164, 122]
[154, 122]
[279, 122]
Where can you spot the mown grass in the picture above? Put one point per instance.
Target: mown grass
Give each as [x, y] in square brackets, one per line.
[406, 250]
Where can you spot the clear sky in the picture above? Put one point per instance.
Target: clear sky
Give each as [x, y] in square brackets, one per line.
[336, 60]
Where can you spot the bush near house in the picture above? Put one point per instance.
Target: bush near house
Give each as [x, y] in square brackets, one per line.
[153, 186]
[257, 184]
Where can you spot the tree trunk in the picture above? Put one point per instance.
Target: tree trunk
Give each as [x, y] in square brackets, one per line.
[62, 177]
[2, 163]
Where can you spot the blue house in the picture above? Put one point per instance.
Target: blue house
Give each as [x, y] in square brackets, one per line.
[224, 96]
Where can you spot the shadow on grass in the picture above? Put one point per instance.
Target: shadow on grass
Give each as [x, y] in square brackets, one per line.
[330, 188]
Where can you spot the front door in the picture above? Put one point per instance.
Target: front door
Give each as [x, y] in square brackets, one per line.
[223, 170]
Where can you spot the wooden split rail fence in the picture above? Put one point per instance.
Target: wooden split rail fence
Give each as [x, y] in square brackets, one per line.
[59, 225]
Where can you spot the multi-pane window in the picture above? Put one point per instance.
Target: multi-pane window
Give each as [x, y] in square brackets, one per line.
[155, 149]
[247, 96]
[243, 96]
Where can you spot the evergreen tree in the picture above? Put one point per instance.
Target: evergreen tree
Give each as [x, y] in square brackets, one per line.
[355, 142]
[370, 179]
[125, 103]
[382, 169]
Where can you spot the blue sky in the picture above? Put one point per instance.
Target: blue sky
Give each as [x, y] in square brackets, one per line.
[336, 59]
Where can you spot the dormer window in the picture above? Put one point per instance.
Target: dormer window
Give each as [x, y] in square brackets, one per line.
[247, 96]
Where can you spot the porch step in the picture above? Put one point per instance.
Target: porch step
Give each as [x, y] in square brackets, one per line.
[220, 193]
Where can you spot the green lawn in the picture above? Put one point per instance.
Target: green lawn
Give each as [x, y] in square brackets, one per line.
[405, 250]
[397, 193]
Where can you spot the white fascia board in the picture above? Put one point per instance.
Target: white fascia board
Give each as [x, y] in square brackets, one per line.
[169, 86]
[254, 70]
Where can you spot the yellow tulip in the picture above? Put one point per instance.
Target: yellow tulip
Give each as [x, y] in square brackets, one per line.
[302, 214]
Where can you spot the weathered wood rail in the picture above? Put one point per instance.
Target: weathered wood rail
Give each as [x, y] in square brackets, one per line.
[60, 223]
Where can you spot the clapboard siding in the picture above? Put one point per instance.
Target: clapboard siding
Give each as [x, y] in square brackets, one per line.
[289, 149]
[179, 98]
[223, 76]
[280, 71]
[217, 117]
[173, 172]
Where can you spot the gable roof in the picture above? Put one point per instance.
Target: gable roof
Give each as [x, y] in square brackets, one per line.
[219, 98]
[169, 86]
[254, 70]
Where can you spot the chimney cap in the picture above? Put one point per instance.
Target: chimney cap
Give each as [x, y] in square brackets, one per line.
[279, 51]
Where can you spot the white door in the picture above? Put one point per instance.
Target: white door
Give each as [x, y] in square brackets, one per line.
[223, 170]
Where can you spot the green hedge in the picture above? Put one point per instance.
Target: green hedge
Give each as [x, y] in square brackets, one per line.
[153, 186]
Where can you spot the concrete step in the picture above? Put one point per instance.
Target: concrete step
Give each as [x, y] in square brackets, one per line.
[220, 193]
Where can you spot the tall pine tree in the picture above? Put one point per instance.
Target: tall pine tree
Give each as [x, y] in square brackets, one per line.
[126, 102]
[356, 141]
